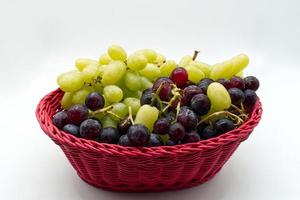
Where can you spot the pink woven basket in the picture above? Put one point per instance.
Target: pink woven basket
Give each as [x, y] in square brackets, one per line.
[132, 169]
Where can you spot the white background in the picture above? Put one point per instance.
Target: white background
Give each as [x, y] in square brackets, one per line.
[40, 39]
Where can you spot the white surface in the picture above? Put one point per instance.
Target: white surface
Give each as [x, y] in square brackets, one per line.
[40, 39]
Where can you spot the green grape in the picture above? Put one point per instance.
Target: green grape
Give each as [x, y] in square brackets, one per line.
[66, 101]
[101, 69]
[80, 95]
[185, 60]
[167, 68]
[81, 63]
[132, 80]
[70, 81]
[106, 102]
[147, 115]
[137, 62]
[145, 83]
[222, 70]
[205, 68]
[194, 73]
[240, 62]
[134, 103]
[218, 96]
[130, 93]
[160, 59]
[113, 93]
[104, 59]
[107, 121]
[90, 72]
[119, 109]
[240, 74]
[149, 54]
[99, 116]
[113, 72]
[116, 52]
[164, 138]
[151, 71]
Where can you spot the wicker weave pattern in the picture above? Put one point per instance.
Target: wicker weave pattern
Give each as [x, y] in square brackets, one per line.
[120, 168]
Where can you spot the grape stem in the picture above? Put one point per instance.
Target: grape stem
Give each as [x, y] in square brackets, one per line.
[102, 110]
[176, 94]
[130, 115]
[156, 96]
[177, 111]
[196, 52]
[242, 112]
[227, 113]
[114, 114]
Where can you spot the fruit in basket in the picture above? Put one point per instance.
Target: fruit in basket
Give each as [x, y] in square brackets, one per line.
[146, 100]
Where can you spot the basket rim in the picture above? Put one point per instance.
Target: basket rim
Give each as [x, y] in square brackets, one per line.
[61, 138]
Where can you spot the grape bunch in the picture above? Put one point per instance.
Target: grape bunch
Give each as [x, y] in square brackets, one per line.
[145, 100]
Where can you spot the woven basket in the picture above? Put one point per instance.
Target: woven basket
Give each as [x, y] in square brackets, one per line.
[132, 169]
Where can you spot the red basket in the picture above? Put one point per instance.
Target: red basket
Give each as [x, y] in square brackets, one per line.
[134, 169]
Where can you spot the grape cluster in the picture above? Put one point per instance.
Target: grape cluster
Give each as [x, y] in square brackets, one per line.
[145, 100]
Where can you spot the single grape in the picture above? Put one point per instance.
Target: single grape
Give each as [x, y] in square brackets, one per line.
[124, 125]
[72, 129]
[188, 94]
[90, 72]
[179, 76]
[170, 142]
[240, 62]
[151, 71]
[70, 81]
[116, 52]
[101, 70]
[79, 96]
[250, 98]
[145, 83]
[165, 91]
[236, 82]
[154, 141]
[170, 116]
[94, 101]
[223, 126]
[176, 132]
[104, 59]
[60, 119]
[218, 96]
[187, 118]
[119, 109]
[138, 135]
[185, 60]
[107, 121]
[132, 80]
[146, 97]
[190, 137]
[77, 114]
[150, 54]
[124, 141]
[66, 101]
[208, 132]
[194, 73]
[161, 126]
[109, 135]
[222, 70]
[90, 129]
[81, 63]
[134, 103]
[167, 68]
[237, 96]
[204, 83]
[129, 93]
[251, 83]
[200, 103]
[137, 62]
[113, 73]
[147, 115]
[113, 93]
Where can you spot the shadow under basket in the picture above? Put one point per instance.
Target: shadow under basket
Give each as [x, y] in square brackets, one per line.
[132, 169]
